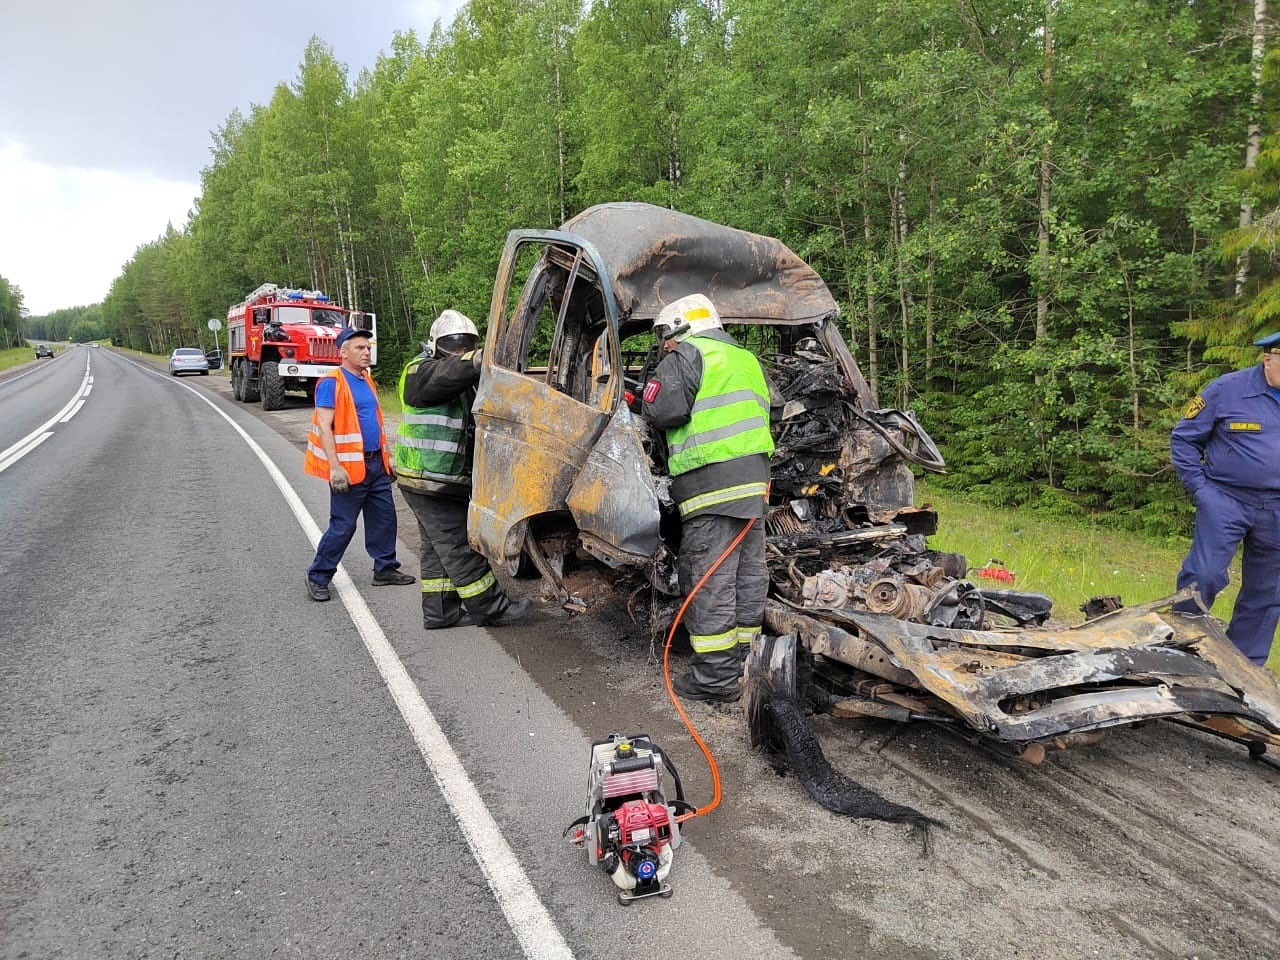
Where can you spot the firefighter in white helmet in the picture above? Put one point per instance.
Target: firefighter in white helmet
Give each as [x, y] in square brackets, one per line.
[711, 398]
[433, 468]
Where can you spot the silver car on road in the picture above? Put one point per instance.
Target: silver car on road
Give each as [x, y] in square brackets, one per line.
[188, 360]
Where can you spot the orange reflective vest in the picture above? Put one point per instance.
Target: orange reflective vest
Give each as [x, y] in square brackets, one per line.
[346, 435]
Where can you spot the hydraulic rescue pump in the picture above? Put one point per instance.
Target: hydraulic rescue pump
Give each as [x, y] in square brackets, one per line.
[630, 830]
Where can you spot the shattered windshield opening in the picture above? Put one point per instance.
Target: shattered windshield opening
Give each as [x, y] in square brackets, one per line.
[559, 319]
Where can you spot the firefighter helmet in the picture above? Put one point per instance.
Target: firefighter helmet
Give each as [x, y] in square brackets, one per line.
[685, 317]
[448, 333]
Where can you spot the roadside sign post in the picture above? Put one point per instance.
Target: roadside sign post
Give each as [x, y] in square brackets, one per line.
[215, 325]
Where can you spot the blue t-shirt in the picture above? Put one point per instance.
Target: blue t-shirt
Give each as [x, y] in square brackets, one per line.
[366, 402]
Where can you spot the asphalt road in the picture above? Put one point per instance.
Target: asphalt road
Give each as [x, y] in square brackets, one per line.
[198, 761]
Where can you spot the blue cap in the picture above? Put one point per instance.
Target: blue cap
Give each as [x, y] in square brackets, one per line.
[346, 333]
[1270, 344]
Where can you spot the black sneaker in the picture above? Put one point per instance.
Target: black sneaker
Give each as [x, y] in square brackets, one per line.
[318, 591]
[690, 689]
[392, 577]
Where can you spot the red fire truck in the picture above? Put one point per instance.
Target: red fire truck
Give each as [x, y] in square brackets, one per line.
[282, 340]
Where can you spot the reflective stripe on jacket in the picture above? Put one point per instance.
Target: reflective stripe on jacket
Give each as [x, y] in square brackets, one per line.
[431, 442]
[707, 502]
[346, 434]
[730, 415]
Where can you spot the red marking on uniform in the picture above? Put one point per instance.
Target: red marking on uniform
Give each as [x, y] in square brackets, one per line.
[651, 391]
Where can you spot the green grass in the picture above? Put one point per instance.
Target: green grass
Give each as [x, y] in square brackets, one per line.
[14, 356]
[1067, 560]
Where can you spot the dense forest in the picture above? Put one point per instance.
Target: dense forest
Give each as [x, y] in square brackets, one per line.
[13, 319]
[1047, 222]
[80, 324]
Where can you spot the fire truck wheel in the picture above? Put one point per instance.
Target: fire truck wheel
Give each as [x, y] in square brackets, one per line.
[237, 382]
[249, 382]
[271, 386]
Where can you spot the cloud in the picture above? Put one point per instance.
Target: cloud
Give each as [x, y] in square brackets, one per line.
[112, 105]
[138, 85]
[66, 232]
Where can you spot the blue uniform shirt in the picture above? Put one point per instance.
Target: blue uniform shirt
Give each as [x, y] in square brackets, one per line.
[1230, 434]
[366, 402]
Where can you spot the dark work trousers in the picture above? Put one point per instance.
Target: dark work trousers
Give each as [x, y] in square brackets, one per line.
[1223, 520]
[727, 611]
[371, 496]
[455, 579]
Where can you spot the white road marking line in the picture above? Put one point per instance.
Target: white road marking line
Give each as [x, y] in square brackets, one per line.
[31, 444]
[12, 454]
[74, 410]
[529, 920]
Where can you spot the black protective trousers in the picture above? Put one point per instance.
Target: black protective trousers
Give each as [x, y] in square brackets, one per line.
[729, 608]
[455, 579]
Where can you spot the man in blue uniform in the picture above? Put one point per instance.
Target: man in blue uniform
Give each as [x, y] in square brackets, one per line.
[1226, 450]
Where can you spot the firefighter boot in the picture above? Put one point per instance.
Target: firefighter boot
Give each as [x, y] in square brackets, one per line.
[712, 677]
[513, 612]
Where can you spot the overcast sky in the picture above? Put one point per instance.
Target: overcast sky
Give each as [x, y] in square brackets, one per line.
[106, 111]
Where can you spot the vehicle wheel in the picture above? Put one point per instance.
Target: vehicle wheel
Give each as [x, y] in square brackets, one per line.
[770, 672]
[271, 386]
[521, 567]
[237, 382]
[249, 379]
[204, 373]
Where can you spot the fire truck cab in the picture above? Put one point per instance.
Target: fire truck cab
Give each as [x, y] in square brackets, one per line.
[283, 340]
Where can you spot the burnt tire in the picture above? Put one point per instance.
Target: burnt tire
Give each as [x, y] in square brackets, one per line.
[770, 672]
[271, 386]
[521, 567]
[248, 382]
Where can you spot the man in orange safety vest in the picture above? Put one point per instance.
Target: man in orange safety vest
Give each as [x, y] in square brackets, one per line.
[348, 447]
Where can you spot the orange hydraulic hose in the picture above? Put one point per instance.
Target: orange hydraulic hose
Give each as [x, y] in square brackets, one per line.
[666, 676]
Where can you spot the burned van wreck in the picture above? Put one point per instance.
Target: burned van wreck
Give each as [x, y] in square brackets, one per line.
[864, 620]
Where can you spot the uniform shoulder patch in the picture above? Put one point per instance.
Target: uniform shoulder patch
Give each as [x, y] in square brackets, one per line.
[1194, 407]
[651, 391]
